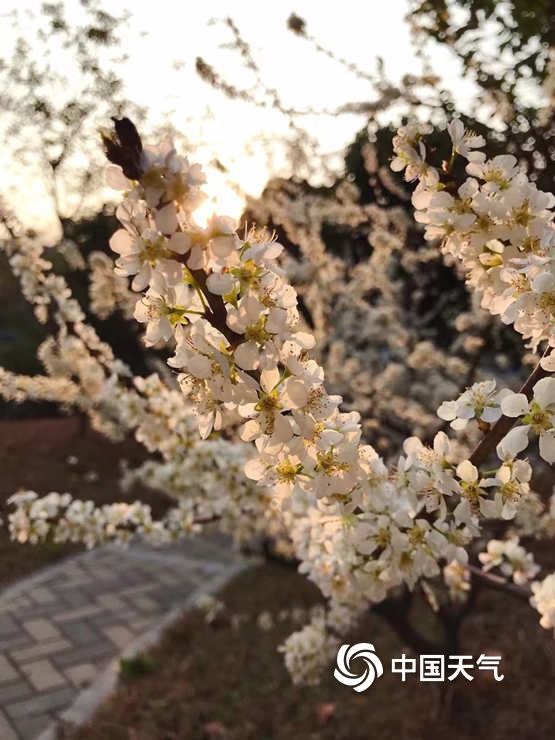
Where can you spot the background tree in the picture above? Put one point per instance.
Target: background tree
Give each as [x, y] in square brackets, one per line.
[58, 84]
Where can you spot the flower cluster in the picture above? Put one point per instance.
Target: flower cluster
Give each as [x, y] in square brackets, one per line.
[497, 224]
[291, 459]
[543, 600]
[244, 361]
[35, 518]
[308, 651]
[83, 373]
[380, 354]
[511, 558]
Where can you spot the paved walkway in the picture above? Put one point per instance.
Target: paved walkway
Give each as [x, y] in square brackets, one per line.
[61, 627]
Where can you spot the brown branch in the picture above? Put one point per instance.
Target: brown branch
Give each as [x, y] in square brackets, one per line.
[395, 611]
[218, 314]
[499, 583]
[504, 425]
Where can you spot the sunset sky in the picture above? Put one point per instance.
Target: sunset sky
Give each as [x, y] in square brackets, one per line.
[163, 39]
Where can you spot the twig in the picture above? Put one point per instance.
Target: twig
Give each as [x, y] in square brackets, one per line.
[499, 583]
[395, 610]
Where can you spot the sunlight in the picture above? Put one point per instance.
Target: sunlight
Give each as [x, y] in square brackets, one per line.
[222, 199]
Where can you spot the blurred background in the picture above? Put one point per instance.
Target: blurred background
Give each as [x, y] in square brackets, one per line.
[244, 87]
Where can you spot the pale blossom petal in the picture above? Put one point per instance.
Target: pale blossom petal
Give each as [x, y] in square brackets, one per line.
[142, 278]
[255, 469]
[295, 393]
[247, 355]
[543, 282]
[304, 339]
[491, 414]
[205, 425]
[448, 410]
[514, 442]
[544, 392]
[220, 283]
[250, 430]
[269, 379]
[547, 446]
[282, 428]
[166, 219]
[179, 242]
[222, 246]
[121, 241]
[548, 363]
[114, 178]
[456, 129]
[515, 405]
[467, 472]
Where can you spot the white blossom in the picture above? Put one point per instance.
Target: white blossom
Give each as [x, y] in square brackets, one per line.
[511, 559]
[543, 600]
[538, 416]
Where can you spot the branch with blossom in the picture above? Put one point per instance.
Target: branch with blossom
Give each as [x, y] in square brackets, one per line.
[359, 529]
[289, 460]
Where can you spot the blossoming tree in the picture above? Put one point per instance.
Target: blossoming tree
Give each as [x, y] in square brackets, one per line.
[249, 435]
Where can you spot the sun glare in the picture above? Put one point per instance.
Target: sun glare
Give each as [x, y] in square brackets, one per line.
[222, 199]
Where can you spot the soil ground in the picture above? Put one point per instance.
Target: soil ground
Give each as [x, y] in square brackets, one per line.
[211, 682]
[36, 454]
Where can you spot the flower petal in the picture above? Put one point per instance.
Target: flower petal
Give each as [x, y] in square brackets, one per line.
[467, 472]
[547, 446]
[456, 130]
[166, 219]
[114, 178]
[220, 283]
[513, 443]
[515, 405]
[544, 392]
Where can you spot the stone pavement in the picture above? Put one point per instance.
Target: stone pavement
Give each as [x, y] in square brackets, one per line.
[61, 627]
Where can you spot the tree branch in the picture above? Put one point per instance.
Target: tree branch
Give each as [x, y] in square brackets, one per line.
[395, 610]
[499, 583]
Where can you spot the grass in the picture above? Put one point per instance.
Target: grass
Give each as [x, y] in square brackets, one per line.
[206, 682]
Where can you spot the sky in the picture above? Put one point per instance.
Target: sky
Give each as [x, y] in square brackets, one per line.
[163, 39]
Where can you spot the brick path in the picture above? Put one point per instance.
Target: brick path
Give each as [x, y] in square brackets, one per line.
[59, 628]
